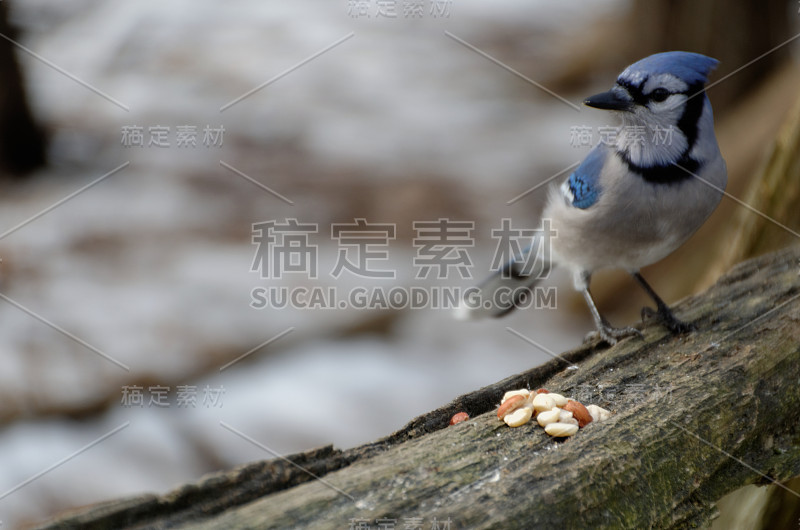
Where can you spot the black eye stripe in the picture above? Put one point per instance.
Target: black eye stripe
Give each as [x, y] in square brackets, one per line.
[635, 91]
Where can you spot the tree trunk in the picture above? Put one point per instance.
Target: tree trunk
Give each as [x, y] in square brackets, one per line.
[22, 141]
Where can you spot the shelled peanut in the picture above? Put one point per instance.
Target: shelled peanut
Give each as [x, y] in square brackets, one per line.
[560, 417]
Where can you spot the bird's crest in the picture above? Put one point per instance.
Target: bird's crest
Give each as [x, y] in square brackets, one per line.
[692, 68]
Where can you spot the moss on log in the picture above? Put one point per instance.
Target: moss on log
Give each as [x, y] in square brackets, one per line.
[695, 417]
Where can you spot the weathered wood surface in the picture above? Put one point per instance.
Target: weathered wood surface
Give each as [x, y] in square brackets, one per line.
[696, 416]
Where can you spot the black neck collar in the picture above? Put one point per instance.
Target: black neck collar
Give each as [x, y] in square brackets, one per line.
[672, 173]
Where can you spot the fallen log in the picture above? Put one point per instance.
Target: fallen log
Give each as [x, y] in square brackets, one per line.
[695, 416]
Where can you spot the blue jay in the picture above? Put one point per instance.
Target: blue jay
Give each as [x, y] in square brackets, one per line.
[632, 202]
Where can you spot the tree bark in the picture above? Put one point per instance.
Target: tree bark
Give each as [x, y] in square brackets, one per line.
[695, 417]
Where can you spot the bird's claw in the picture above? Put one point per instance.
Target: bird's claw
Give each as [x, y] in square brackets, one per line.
[668, 319]
[611, 335]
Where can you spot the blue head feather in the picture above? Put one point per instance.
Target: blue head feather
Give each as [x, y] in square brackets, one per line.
[693, 68]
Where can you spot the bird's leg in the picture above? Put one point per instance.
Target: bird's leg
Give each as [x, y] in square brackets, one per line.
[604, 329]
[663, 312]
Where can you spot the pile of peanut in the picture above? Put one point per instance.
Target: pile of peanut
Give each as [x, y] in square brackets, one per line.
[560, 417]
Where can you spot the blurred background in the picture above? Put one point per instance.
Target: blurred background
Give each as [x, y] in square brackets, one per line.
[141, 141]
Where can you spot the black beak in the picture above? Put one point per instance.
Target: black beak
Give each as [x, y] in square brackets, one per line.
[608, 101]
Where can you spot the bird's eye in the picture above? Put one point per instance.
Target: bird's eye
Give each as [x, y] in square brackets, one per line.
[659, 94]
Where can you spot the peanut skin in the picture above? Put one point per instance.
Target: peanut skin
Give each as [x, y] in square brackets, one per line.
[510, 405]
[458, 417]
[579, 412]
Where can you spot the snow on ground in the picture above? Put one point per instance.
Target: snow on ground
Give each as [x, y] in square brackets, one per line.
[149, 268]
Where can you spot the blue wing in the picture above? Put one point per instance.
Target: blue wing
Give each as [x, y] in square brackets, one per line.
[582, 188]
